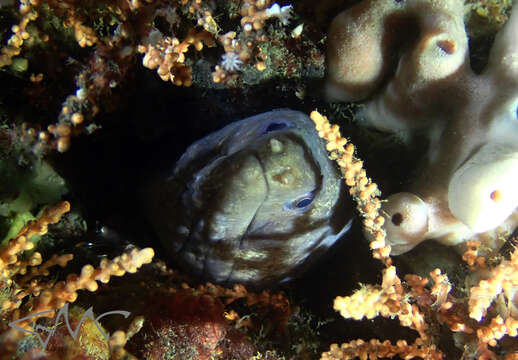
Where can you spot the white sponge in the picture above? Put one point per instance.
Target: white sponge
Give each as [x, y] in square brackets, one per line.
[406, 221]
[483, 192]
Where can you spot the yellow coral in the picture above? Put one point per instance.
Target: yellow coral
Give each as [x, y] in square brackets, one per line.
[29, 277]
[167, 56]
[410, 301]
[10, 263]
[362, 189]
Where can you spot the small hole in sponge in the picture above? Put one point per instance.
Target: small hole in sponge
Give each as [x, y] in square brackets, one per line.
[496, 195]
[448, 46]
[397, 219]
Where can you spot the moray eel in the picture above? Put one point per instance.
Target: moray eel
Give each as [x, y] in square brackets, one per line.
[253, 203]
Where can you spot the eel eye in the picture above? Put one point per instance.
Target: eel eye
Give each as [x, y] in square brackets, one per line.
[302, 203]
[274, 127]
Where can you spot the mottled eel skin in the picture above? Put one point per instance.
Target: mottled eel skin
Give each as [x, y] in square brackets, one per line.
[254, 203]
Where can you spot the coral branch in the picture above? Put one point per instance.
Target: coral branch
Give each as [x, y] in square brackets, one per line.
[9, 260]
[362, 189]
[376, 349]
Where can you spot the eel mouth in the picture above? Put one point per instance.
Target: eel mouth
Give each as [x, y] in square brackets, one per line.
[231, 213]
[257, 247]
[265, 155]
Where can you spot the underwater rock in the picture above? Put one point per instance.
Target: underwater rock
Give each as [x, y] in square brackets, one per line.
[254, 203]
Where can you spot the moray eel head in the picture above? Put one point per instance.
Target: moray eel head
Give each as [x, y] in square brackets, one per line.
[254, 203]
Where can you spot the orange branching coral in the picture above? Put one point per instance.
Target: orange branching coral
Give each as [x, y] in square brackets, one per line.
[502, 279]
[167, 55]
[389, 299]
[20, 34]
[12, 264]
[23, 277]
[437, 296]
[119, 339]
[472, 257]
[459, 314]
[66, 291]
[410, 300]
[29, 11]
[497, 329]
[376, 349]
[243, 48]
[362, 189]
[386, 300]
[28, 285]
[203, 15]
[10, 261]
[55, 296]
[153, 28]
[112, 54]
[438, 299]
[76, 107]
